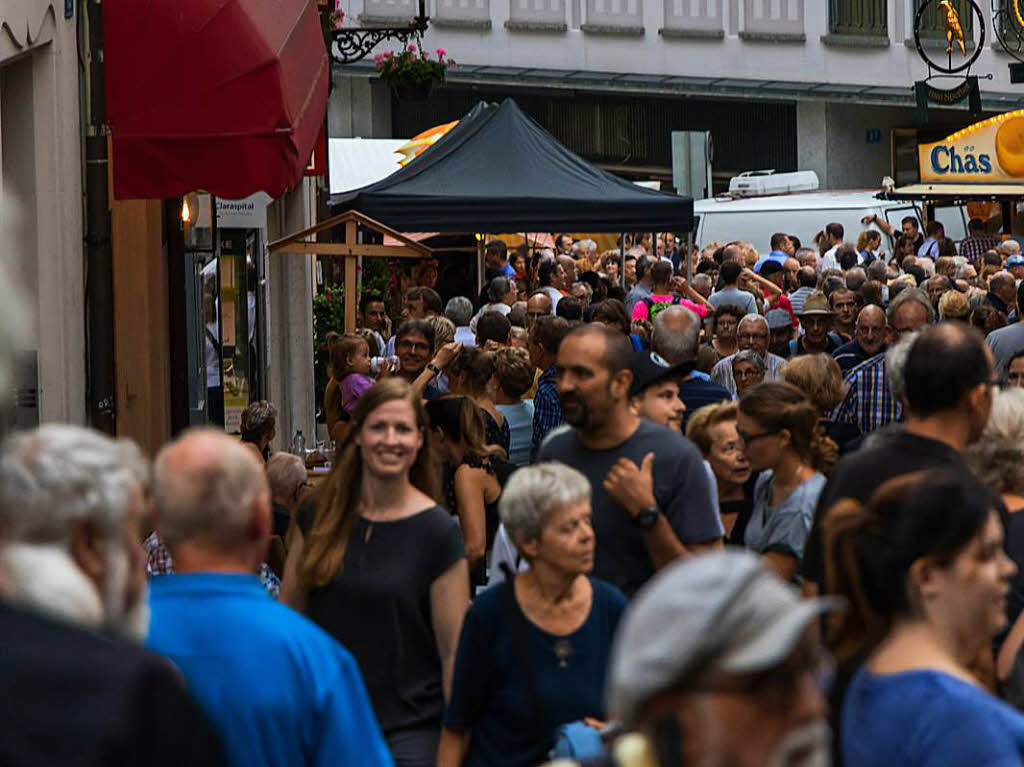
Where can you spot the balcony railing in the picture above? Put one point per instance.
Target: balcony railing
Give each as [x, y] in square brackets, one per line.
[774, 20]
[694, 18]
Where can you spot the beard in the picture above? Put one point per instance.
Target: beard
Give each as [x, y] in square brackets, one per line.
[575, 411]
[128, 622]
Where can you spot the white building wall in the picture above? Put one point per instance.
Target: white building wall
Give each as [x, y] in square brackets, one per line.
[41, 194]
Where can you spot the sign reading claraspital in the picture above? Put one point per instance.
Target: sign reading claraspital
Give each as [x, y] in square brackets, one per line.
[991, 150]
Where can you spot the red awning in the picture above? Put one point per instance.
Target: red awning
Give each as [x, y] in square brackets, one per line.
[227, 96]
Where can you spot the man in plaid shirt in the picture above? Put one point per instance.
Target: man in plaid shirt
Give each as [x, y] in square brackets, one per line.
[869, 401]
[545, 338]
[159, 562]
[978, 241]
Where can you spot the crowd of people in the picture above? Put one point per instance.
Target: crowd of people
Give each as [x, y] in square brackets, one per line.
[766, 515]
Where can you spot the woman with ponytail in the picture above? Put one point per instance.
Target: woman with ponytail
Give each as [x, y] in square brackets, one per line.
[924, 573]
[474, 475]
[782, 440]
[376, 563]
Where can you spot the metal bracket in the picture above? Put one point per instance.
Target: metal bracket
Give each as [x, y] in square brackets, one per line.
[350, 44]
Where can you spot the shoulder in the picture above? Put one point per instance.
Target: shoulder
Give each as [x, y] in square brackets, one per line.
[607, 595]
[866, 367]
[763, 482]
[722, 363]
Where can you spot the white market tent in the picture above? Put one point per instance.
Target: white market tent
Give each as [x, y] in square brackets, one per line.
[358, 162]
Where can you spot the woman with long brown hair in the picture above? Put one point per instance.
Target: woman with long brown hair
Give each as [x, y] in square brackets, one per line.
[924, 573]
[782, 440]
[471, 374]
[380, 566]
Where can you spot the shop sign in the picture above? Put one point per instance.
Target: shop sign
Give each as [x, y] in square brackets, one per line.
[991, 151]
[247, 213]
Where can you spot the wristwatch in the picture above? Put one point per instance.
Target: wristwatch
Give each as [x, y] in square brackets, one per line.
[433, 368]
[647, 518]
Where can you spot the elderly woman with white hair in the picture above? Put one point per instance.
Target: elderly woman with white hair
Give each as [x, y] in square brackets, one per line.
[533, 650]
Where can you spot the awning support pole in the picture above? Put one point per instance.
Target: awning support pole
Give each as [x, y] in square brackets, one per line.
[351, 299]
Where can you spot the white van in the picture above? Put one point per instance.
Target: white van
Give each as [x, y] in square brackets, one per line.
[804, 214]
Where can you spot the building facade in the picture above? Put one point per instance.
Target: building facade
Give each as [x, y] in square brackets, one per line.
[823, 85]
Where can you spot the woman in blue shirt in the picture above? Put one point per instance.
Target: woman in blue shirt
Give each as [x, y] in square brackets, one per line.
[926, 577]
[533, 652]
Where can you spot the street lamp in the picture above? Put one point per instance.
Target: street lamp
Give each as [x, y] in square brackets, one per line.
[350, 44]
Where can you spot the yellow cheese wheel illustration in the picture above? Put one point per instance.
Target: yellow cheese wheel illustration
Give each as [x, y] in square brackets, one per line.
[1010, 146]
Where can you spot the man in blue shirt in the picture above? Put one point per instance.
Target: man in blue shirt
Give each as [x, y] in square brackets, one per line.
[545, 338]
[278, 689]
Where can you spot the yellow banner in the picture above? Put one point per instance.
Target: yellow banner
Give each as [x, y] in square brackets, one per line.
[989, 151]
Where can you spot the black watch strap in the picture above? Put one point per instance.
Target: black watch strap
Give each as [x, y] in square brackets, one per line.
[647, 518]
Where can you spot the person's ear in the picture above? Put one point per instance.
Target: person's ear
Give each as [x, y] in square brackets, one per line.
[621, 383]
[89, 550]
[785, 438]
[260, 518]
[529, 548]
[924, 580]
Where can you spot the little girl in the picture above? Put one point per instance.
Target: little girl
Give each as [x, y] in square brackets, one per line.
[350, 367]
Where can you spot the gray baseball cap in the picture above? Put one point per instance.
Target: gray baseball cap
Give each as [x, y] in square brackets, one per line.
[721, 611]
[778, 319]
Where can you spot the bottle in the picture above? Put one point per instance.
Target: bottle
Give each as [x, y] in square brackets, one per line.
[299, 445]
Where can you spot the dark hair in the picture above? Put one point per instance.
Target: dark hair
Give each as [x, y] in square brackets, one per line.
[846, 255]
[917, 273]
[548, 333]
[934, 227]
[992, 257]
[463, 422]
[493, 326]
[707, 267]
[976, 224]
[499, 247]
[546, 271]
[947, 248]
[945, 362]
[835, 230]
[870, 549]
[570, 308]
[796, 242]
[987, 318]
[429, 296]
[910, 220]
[855, 278]
[517, 316]
[777, 406]
[806, 277]
[618, 349]
[369, 298]
[612, 312]
[616, 293]
[514, 371]
[337, 499]
[474, 367]
[661, 271]
[416, 327]
[731, 310]
[1020, 297]
[778, 240]
[870, 293]
[730, 272]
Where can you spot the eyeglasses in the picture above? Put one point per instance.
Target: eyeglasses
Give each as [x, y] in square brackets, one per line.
[747, 375]
[748, 438]
[751, 336]
[412, 346]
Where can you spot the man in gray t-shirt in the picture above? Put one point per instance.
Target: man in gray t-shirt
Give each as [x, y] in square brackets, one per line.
[1007, 341]
[651, 496]
[730, 294]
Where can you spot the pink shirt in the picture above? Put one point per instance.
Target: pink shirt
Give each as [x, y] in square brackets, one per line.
[640, 310]
[353, 386]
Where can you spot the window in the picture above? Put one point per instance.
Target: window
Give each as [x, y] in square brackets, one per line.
[859, 17]
[933, 23]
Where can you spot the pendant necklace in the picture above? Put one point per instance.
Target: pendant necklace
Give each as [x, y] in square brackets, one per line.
[563, 651]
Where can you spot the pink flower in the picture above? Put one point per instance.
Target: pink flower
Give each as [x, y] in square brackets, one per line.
[378, 59]
[441, 53]
[412, 49]
[451, 63]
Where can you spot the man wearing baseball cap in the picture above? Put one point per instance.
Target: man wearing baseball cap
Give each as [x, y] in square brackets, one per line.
[781, 329]
[716, 661]
[1015, 266]
[775, 273]
[816, 321]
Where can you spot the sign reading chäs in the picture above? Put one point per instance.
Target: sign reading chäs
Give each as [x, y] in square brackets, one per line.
[991, 150]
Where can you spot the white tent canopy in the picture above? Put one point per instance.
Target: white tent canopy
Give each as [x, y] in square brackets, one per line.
[359, 162]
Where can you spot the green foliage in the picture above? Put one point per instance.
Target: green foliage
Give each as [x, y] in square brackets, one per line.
[413, 65]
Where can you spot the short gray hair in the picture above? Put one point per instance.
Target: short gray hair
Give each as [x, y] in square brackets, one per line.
[205, 493]
[285, 472]
[498, 289]
[998, 457]
[896, 363]
[59, 473]
[533, 493]
[677, 348]
[702, 279]
[749, 355]
[257, 419]
[754, 317]
[906, 296]
[459, 310]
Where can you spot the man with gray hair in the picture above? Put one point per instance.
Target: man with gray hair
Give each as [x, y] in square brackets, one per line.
[869, 402]
[751, 333]
[72, 500]
[501, 294]
[676, 339]
[71, 568]
[460, 311]
[307, 704]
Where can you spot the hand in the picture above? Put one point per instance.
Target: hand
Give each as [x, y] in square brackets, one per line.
[387, 327]
[868, 220]
[632, 486]
[679, 284]
[446, 354]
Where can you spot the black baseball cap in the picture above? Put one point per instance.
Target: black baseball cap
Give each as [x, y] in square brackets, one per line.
[650, 368]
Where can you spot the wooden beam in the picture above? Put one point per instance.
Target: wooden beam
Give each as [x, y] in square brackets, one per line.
[344, 249]
[351, 301]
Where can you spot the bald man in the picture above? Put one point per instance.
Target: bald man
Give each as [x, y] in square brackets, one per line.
[870, 334]
[278, 689]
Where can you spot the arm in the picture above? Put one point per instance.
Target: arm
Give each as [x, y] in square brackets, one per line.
[684, 288]
[469, 500]
[441, 359]
[633, 488]
[449, 598]
[453, 747]
[881, 223]
[782, 564]
[768, 285]
[292, 593]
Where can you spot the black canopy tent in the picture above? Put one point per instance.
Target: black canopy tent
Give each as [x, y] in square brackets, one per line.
[500, 171]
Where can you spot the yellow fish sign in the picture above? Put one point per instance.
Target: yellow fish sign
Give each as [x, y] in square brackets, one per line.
[991, 150]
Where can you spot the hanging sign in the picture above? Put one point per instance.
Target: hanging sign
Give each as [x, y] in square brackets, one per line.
[991, 150]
